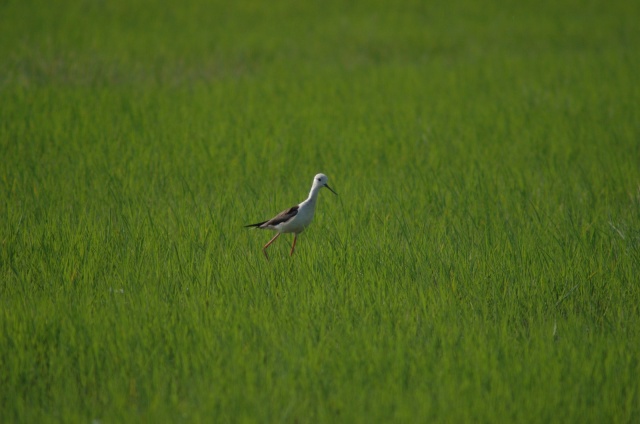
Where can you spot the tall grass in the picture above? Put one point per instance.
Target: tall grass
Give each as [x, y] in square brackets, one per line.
[479, 264]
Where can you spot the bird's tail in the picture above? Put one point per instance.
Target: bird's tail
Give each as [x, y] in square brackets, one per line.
[255, 225]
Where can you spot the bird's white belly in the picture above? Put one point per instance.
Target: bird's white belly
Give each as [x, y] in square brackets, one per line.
[301, 221]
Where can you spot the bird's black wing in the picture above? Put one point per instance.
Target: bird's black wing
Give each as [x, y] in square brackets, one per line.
[283, 216]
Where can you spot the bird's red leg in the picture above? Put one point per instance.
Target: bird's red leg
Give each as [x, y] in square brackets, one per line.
[293, 246]
[264, 249]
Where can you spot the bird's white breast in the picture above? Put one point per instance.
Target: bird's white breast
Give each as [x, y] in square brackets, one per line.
[302, 219]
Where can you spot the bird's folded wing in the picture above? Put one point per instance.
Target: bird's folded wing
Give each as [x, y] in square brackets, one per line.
[283, 216]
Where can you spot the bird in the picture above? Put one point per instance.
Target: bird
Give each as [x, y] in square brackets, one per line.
[296, 218]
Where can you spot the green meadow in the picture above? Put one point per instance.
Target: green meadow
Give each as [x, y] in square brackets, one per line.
[480, 264]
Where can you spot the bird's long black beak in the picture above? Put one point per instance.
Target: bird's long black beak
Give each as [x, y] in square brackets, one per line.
[327, 186]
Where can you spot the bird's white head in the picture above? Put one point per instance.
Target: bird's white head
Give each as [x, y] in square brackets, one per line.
[320, 181]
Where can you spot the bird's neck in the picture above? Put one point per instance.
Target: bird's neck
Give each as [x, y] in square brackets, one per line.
[313, 194]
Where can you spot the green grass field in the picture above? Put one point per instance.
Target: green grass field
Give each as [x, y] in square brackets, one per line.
[480, 264]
